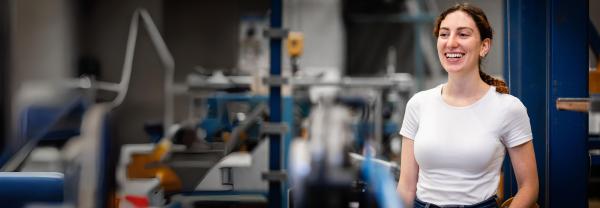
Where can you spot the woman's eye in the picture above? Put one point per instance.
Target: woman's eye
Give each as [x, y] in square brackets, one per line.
[464, 35]
[443, 35]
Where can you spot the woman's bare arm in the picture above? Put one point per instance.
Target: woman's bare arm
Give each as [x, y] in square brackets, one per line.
[409, 170]
[524, 165]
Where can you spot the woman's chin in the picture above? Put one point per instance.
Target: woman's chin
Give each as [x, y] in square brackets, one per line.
[453, 69]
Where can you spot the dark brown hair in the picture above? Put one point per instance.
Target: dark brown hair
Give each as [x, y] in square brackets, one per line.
[485, 31]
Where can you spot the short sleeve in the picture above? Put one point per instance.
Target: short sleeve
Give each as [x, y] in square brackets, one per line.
[517, 129]
[410, 123]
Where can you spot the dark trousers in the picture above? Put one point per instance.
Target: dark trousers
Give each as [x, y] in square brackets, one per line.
[488, 203]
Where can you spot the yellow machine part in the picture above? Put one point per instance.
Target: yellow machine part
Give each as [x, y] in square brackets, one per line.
[150, 166]
[168, 179]
[295, 44]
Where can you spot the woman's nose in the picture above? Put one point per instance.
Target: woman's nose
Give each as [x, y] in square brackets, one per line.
[452, 42]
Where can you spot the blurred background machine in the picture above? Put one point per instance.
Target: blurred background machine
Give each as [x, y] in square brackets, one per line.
[218, 153]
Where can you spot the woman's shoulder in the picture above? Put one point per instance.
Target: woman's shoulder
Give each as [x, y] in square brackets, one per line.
[510, 102]
[427, 94]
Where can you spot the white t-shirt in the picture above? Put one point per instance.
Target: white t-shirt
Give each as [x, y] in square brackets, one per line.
[460, 150]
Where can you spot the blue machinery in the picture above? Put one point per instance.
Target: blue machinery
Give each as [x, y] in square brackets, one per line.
[38, 123]
[546, 57]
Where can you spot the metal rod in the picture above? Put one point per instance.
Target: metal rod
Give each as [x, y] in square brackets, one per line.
[164, 55]
[378, 122]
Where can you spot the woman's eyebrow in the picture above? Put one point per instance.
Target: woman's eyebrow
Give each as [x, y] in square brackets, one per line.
[459, 28]
[465, 28]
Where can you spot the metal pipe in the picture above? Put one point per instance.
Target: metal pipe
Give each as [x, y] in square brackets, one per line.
[164, 55]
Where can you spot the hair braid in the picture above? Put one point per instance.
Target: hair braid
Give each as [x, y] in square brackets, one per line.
[499, 84]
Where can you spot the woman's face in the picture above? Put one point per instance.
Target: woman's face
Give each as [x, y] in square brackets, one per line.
[459, 44]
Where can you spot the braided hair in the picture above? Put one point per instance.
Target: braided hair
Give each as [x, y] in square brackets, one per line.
[485, 29]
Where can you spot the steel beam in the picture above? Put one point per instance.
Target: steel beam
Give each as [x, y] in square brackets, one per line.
[275, 101]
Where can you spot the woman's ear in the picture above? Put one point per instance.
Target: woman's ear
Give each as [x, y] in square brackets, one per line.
[486, 44]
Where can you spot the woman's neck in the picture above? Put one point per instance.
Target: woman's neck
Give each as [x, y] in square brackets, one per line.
[463, 89]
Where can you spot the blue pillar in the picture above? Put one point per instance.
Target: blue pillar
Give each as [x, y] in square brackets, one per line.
[546, 57]
[525, 73]
[568, 77]
[275, 190]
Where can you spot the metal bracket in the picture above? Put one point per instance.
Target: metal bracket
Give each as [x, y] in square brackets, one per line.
[573, 104]
[276, 33]
[274, 128]
[275, 80]
[274, 176]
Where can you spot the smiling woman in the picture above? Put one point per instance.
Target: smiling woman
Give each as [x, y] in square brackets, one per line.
[472, 32]
[455, 135]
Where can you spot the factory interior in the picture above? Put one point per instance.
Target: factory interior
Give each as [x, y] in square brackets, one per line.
[269, 103]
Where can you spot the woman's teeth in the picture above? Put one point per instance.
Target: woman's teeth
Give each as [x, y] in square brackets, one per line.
[454, 55]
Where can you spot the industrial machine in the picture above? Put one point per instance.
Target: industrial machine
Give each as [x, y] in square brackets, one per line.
[222, 158]
[222, 153]
[219, 155]
[332, 130]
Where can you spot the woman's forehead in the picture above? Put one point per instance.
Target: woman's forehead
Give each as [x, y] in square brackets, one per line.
[457, 19]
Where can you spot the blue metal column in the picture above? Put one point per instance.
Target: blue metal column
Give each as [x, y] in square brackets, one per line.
[275, 190]
[546, 57]
[525, 73]
[568, 77]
